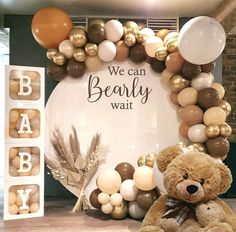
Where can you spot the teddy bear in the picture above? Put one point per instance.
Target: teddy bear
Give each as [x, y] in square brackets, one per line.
[191, 179]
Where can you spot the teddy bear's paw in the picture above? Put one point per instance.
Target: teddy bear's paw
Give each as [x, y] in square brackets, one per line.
[150, 229]
[219, 227]
[169, 225]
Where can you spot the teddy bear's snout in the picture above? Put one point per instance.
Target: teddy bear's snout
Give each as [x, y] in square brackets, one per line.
[192, 189]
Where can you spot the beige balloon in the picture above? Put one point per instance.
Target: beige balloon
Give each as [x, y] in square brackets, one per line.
[219, 88]
[166, 75]
[93, 63]
[215, 116]
[188, 96]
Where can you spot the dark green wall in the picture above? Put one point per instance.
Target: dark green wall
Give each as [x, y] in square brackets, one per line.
[25, 51]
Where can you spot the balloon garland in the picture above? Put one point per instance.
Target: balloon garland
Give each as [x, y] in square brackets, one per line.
[185, 60]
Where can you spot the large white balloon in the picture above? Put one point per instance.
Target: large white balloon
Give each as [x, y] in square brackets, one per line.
[201, 40]
[114, 30]
[128, 190]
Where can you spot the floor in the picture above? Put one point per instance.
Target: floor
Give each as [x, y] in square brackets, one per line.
[58, 219]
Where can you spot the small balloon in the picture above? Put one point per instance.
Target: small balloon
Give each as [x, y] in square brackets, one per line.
[75, 69]
[78, 37]
[202, 81]
[150, 159]
[147, 33]
[145, 199]
[169, 36]
[178, 83]
[135, 211]
[114, 30]
[130, 27]
[94, 199]
[91, 49]
[107, 208]
[106, 51]
[196, 133]
[116, 199]
[140, 37]
[97, 21]
[157, 66]
[212, 131]
[96, 33]
[141, 160]
[80, 55]
[183, 130]
[59, 59]
[191, 114]
[51, 52]
[152, 44]
[130, 40]
[191, 70]
[161, 53]
[93, 63]
[200, 147]
[172, 45]
[166, 75]
[56, 72]
[219, 88]
[214, 116]
[103, 198]
[137, 53]
[187, 96]
[122, 51]
[141, 26]
[67, 48]
[126, 170]
[163, 33]
[208, 67]
[174, 98]
[128, 190]
[225, 130]
[174, 62]
[224, 105]
[120, 212]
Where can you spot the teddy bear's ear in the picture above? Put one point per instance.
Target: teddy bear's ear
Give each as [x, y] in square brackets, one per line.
[166, 156]
[226, 177]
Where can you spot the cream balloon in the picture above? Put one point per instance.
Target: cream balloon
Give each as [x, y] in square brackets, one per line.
[187, 96]
[152, 44]
[214, 116]
[170, 35]
[135, 211]
[143, 178]
[197, 133]
[166, 75]
[114, 30]
[201, 40]
[93, 63]
[103, 198]
[202, 81]
[116, 199]
[219, 88]
[67, 48]
[147, 33]
[128, 190]
[107, 208]
[106, 51]
[109, 181]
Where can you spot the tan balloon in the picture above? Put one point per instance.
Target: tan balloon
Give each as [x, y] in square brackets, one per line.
[166, 75]
[78, 37]
[215, 116]
[59, 59]
[225, 130]
[122, 51]
[219, 88]
[177, 83]
[142, 160]
[183, 130]
[212, 131]
[161, 53]
[224, 105]
[91, 49]
[130, 40]
[93, 63]
[80, 55]
[188, 96]
[174, 98]
[191, 114]
[51, 52]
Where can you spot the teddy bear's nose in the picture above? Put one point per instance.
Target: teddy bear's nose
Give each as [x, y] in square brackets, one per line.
[192, 189]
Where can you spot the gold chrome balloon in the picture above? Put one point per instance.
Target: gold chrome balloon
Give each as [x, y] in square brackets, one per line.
[140, 37]
[130, 40]
[172, 45]
[177, 83]
[150, 159]
[224, 105]
[200, 147]
[225, 130]
[131, 27]
[212, 131]
[80, 55]
[51, 52]
[91, 49]
[78, 37]
[141, 160]
[161, 53]
[59, 59]
[120, 212]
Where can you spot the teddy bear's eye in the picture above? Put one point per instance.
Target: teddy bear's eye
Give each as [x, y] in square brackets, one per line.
[202, 181]
[185, 176]
[208, 208]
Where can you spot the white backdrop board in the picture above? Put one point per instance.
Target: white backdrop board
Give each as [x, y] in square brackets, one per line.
[124, 102]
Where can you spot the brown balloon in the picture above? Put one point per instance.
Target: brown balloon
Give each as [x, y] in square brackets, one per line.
[56, 72]
[174, 98]
[207, 98]
[96, 33]
[183, 130]
[75, 69]
[157, 65]
[145, 199]
[218, 147]
[191, 115]
[137, 53]
[94, 199]
[126, 171]
[208, 67]
[122, 51]
[163, 33]
[174, 62]
[190, 70]
[97, 21]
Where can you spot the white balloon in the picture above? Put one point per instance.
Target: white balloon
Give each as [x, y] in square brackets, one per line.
[106, 51]
[116, 199]
[147, 32]
[152, 44]
[67, 49]
[135, 211]
[202, 81]
[201, 40]
[197, 133]
[107, 208]
[128, 190]
[103, 198]
[114, 30]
